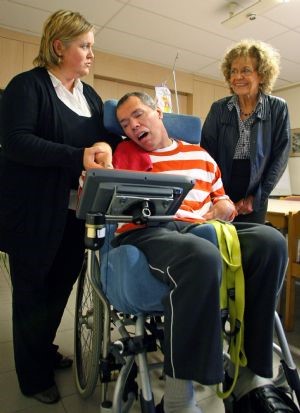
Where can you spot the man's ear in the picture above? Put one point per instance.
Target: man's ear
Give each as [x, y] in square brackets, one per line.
[160, 113]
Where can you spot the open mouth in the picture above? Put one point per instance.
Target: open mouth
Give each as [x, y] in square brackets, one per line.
[143, 135]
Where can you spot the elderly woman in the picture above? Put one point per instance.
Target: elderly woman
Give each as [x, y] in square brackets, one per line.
[248, 133]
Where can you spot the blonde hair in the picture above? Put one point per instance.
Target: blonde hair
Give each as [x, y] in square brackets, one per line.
[64, 25]
[267, 62]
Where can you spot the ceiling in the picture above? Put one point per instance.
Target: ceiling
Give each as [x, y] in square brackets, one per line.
[182, 35]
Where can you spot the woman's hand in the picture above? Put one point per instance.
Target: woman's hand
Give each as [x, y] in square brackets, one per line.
[98, 156]
[245, 206]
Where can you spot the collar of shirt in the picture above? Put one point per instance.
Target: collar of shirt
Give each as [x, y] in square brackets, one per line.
[76, 101]
[171, 147]
[259, 109]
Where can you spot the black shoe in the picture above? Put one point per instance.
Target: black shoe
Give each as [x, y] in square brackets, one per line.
[265, 399]
[160, 407]
[61, 362]
[230, 401]
[48, 396]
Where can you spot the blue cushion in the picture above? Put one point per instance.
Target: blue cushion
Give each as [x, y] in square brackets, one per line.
[185, 127]
[206, 231]
[127, 281]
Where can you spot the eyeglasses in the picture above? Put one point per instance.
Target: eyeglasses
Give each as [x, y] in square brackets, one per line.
[246, 71]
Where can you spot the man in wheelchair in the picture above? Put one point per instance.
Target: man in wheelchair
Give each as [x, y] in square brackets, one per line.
[192, 267]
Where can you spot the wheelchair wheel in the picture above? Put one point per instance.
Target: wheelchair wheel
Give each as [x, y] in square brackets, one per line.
[87, 334]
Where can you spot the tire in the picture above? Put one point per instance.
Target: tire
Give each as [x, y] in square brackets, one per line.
[88, 333]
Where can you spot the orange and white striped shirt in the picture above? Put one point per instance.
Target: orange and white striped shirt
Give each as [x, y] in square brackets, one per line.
[183, 158]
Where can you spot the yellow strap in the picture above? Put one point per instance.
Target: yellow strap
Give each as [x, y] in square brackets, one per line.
[232, 281]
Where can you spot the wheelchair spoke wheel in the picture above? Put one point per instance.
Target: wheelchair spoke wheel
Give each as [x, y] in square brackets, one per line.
[88, 334]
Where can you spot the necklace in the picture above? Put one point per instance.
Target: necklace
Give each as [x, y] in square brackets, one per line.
[246, 114]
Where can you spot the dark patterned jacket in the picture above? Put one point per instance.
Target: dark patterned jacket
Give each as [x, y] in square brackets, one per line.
[269, 143]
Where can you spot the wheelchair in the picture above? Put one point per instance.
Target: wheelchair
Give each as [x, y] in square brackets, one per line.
[114, 334]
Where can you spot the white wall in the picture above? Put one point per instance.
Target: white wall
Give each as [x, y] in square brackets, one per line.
[294, 169]
[292, 96]
[283, 188]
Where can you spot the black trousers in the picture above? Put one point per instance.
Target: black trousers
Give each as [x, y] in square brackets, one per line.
[39, 301]
[192, 267]
[239, 182]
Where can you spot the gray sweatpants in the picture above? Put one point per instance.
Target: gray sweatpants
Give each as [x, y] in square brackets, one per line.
[191, 266]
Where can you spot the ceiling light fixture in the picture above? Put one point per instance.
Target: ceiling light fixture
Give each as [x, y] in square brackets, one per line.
[236, 19]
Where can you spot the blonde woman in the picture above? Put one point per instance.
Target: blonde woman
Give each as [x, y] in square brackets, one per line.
[50, 122]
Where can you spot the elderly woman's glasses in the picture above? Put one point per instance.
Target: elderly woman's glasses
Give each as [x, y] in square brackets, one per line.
[246, 71]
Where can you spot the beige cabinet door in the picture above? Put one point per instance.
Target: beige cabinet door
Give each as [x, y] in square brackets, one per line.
[30, 52]
[11, 58]
[114, 89]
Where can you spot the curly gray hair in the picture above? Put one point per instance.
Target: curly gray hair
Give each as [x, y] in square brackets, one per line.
[267, 59]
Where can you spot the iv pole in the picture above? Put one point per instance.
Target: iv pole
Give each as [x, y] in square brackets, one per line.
[174, 79]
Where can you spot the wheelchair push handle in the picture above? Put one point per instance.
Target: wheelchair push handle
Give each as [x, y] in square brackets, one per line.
[95, 223]
[94, 231]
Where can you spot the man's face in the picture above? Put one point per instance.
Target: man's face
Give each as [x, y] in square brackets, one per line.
[143, 124]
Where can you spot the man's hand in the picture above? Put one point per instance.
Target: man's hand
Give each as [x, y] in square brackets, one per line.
[98, 156]
[223, 209]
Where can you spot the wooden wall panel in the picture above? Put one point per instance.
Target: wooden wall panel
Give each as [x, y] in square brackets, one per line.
[114, 89]
[112, 76]
[11, 58]
[30, 52]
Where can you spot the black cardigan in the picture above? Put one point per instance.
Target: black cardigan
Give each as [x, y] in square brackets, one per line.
[39, 163]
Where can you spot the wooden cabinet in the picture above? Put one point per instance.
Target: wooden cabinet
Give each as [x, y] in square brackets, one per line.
[11, 58]
[204, 95]
[114, 89]
[293, 271]
[112, 76]
[30, 51]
